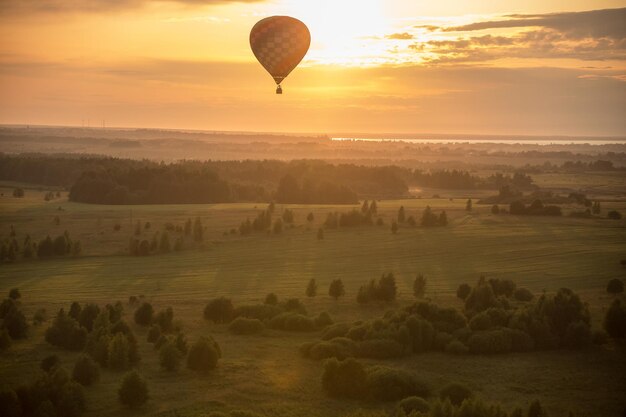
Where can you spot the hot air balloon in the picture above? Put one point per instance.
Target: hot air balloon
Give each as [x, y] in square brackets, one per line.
[280, 43]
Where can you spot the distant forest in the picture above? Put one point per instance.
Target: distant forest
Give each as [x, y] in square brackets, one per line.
[105, 180]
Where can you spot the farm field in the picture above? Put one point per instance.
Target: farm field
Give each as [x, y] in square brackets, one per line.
[266, 373]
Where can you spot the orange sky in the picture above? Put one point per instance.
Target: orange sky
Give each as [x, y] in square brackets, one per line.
[488, 67]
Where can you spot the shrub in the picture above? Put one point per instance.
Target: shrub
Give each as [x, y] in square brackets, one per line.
[577, 335]
[143, 315]
[463, 291]
[523, 294]
[294, 305]
[615, 286]
[336, 289]
[323, 320]
[380, 349]
[49, 363]
[87, 316]
[134, 391]
[242, 325]
[503, 287]
[456, 393]
[339, 348]
[344, 379]
[491, 342]
[86, 371]
[154, 333]
[203, 355]
[386, 384]
[119, 352]
[170, 356]
[271, 299]
[614, 215]
[292, 322]
[413, 405]
[219, 310]
[615, 320]
[258, 311]
[40, 316]
[456, 347]
[335, 330]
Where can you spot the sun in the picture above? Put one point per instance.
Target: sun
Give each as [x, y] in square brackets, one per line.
[342, 31]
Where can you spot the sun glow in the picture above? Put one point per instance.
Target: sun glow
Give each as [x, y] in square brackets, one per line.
[342, 31]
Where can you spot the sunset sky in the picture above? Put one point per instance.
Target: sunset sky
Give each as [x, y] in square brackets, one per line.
[536, 67]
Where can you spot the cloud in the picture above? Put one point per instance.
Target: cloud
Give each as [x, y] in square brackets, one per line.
[94, 6]
[608, 23]
[400, 36]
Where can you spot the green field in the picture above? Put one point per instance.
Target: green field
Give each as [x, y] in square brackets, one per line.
[266, 373]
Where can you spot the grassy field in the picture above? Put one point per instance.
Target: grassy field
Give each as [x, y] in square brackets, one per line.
[265, 373]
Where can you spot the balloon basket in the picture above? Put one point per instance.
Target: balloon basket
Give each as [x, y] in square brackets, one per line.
[279, 90]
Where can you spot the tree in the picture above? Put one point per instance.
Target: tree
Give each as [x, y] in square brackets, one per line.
[365, 207]
[615, 286]
[614, 215]
[203, 355]
[429, 218]
[394, 227]
[495, 209]
[271, 299]
[373, 207]
[165, 320]
[336, 289]
[119, 352]
[288, 216]
[15, 324]
[14, 294]
[219, 310]
[134, 391]
[468, 205]
[5, 339]
[143, 315]
[320, 234]
[198, 230]
[18, 192]
[86, 371]
[278, 226]
[310, 217]
[596, 208]
[463, 291]
[419, 286]
[164, 244]
[443, 218]
[187, 227]
[311, 289]
[170, 356]
[401, 215]
[615, 320]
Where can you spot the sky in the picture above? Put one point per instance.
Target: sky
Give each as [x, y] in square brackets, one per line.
[518, 67]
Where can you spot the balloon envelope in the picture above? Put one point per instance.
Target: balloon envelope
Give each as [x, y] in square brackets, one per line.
[280, 43]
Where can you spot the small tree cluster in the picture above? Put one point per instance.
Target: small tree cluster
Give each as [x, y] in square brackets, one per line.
[384, 290]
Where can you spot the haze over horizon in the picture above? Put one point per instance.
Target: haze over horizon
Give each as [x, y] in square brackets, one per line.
[496, 68]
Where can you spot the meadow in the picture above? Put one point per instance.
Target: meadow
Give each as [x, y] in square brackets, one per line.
[265, 373]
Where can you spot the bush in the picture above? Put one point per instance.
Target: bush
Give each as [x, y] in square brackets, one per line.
[344, 379]
[203, 355]
[165, 320]
[335, 330]
[380, 349]
[40, 316]
[340, 348]
[523, 294]
[86, 371]
[386, 384]
[143, 315]
[614, 215]
[219, 310]
[258, 311]
[154, 333]
[271, 299]
[134, 391]
[615, 286]
[292, 322]
[491, 342]
[413, 405]
[242, 325]
[463, 291]
[170, 356]
[615, 320]
[49, 363]
[294, 305]
[323, 320]
[119, 352]
[577, 335]
[456, 347]
[336, 289]
[456, 393]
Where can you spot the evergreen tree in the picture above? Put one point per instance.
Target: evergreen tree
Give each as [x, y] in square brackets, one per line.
[336, 289]
[311, 289]
[373, 207]
[365, 207]
[401, 215]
